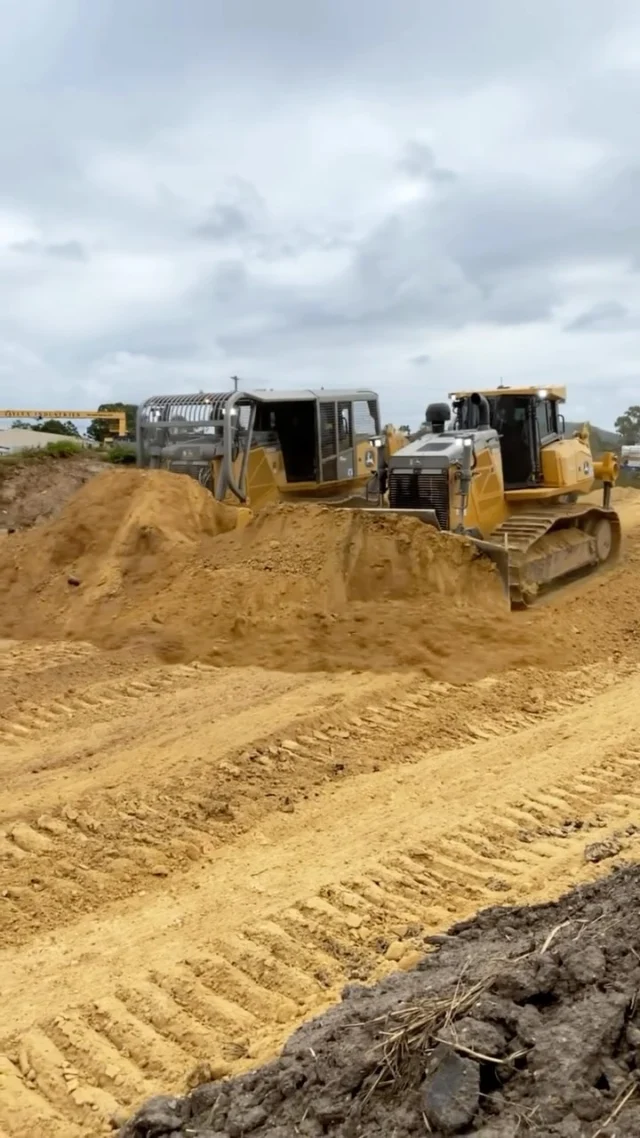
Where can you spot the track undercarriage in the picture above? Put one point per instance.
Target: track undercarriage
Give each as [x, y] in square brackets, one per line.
[548, 547]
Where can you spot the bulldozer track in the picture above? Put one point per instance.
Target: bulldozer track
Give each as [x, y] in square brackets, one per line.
[107, 700]
[86, 852]
[174, 993]
[14, 656]
[545, 532]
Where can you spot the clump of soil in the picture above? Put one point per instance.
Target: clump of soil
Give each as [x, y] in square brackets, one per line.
[148, 558]
[35, 489]
[521, 1022]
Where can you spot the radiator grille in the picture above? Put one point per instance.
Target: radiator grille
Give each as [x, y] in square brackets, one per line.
[421, 490]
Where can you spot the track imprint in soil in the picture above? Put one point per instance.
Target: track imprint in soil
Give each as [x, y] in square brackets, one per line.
[172, 991]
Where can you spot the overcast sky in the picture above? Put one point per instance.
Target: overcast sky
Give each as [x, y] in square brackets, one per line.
[407, 195]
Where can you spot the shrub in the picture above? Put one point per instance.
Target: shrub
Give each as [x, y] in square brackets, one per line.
[63, 449]
[121, 453]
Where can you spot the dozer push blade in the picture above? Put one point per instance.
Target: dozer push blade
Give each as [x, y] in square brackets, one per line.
[429, 517]
[499, 555]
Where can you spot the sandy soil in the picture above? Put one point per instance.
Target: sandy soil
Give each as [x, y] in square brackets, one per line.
[193, 857]
[33, 491]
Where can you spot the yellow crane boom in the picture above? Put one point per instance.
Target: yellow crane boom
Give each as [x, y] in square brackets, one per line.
[119, 416]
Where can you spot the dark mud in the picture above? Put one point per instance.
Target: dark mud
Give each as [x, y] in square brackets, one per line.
[519, 1022]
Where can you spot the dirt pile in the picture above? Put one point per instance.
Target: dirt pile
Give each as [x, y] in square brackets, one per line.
[123, 530]
[521, 1021]
[33, 490]
[149, 558]
[119, 524]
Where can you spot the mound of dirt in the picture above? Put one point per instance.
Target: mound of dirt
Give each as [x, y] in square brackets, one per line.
[520, 1022]
[31, 491]
[124, 517]
[149, 558]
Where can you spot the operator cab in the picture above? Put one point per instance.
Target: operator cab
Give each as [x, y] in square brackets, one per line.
[526, 420]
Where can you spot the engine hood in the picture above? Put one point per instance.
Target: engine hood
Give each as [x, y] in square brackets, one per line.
[438, 452]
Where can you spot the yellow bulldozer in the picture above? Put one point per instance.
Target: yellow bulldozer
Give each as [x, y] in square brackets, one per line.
[494, 468]
[505, 477]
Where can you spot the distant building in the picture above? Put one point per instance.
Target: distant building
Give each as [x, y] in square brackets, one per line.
[21, 438]
[630, 457]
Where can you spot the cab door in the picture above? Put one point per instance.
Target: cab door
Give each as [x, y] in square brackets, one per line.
[346, 455]
[337, 461]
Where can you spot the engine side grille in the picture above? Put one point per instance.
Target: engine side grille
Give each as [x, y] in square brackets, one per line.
[420, 490]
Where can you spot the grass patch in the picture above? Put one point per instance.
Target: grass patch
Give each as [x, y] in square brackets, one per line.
[64, 449]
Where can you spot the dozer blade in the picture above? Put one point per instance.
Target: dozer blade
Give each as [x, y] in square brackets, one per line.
[353, 502]
[499, 555]
[496, 552]
[356, 503]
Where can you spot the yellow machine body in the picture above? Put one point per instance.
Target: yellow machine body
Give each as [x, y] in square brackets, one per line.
[563, 469]
[506, 478]
[267, 481]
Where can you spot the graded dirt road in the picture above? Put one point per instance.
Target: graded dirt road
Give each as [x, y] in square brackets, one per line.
[195, 858]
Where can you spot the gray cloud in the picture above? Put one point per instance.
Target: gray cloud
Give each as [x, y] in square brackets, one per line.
[309, 192]
[227, 46]
[224, 221]
[241, 212]
[608, 316]
[65, 250]
[419, 162]
[502, 225]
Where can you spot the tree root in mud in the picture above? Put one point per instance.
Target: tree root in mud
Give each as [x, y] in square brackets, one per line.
[520, 1022]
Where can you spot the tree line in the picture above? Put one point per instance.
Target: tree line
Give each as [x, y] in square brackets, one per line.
[628, 426]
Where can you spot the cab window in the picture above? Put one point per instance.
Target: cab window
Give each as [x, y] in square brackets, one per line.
[546, 417]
